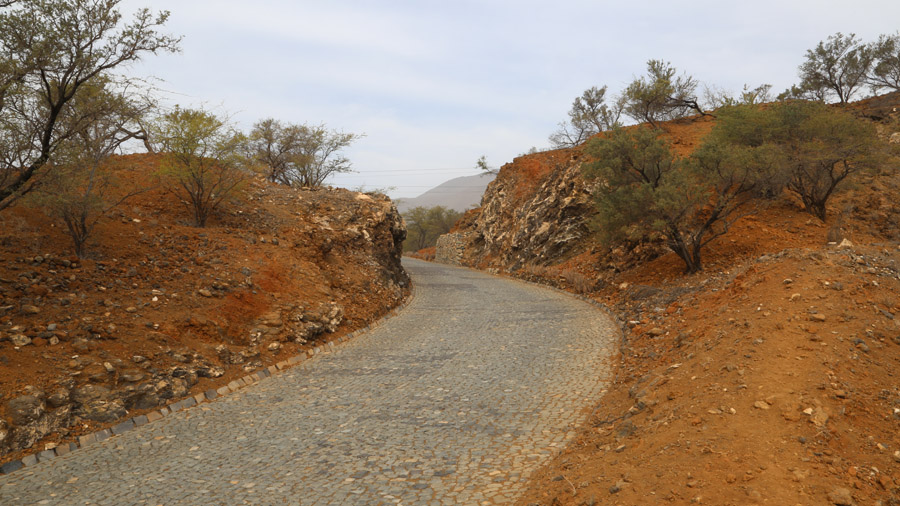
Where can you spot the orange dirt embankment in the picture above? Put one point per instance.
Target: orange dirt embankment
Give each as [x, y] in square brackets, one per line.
[160, 309]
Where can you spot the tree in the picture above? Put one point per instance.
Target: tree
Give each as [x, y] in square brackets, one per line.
[817, 147]
[482, 165]
[822, 148]
[588, 116]
[644, 189]
[838, 66]
[715, 98]
[661, 95]
[299, 155]
[201, 159]
[51, 49]
[79, 189]
[277, 148]
[425, 224]
[886, 66]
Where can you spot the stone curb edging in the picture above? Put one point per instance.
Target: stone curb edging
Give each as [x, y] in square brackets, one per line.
[209, 395]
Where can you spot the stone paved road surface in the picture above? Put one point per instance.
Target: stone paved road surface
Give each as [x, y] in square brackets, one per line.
[454, 401]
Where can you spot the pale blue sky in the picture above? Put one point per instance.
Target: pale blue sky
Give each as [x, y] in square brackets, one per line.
[436, 84]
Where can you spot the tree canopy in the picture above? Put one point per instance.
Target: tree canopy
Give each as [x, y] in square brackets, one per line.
[299, 154]
[50, 50]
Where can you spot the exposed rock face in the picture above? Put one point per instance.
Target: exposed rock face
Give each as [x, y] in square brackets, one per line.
[536, 211]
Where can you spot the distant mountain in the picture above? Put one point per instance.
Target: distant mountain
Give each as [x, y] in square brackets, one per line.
[459, 194]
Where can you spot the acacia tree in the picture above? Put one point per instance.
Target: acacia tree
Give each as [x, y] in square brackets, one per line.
[49, 51]
[276, 147]
[823, 147]
[589, 115]
[837, 67]
[661, 95]
[80, 189]
[818, 147]
[299, 155]
[644, 189]
[201, 159]
[886, 66]
[321, 150]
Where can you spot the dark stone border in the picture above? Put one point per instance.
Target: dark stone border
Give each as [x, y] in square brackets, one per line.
[207, 396]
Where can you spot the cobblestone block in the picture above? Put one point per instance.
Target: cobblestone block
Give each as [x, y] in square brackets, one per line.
[46, 455]
[10, 467]
[87, 439]
[123, 427]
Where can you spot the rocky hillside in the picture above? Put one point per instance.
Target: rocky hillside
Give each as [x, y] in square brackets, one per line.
[769, 377]
[538, 210]
[159, 310]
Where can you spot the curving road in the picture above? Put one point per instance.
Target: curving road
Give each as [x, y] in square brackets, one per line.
[454, 401]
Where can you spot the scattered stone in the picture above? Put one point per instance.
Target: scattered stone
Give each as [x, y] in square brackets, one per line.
[819, 417]
[615, 489]
[655, 332]
[761, 405]
[204, 292]
[841, 497]
[29, 309]
[54, 341]
[274, 346]
[845, 244]
[20, 340]
[138, 359]
[820, 318]
[132, 376]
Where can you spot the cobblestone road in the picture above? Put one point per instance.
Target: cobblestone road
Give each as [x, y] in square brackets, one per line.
[454, 401]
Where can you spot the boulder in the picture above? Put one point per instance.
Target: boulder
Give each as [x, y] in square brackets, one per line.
[25, 409]
[103, 411]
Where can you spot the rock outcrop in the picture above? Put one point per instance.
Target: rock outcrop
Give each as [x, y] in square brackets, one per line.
[537, 211]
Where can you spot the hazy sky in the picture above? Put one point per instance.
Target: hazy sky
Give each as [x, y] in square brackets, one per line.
[436, 84]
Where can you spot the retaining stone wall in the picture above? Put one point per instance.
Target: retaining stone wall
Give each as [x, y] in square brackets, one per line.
[450, 248]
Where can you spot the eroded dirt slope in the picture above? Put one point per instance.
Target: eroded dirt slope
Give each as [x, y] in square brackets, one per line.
[160, 309]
